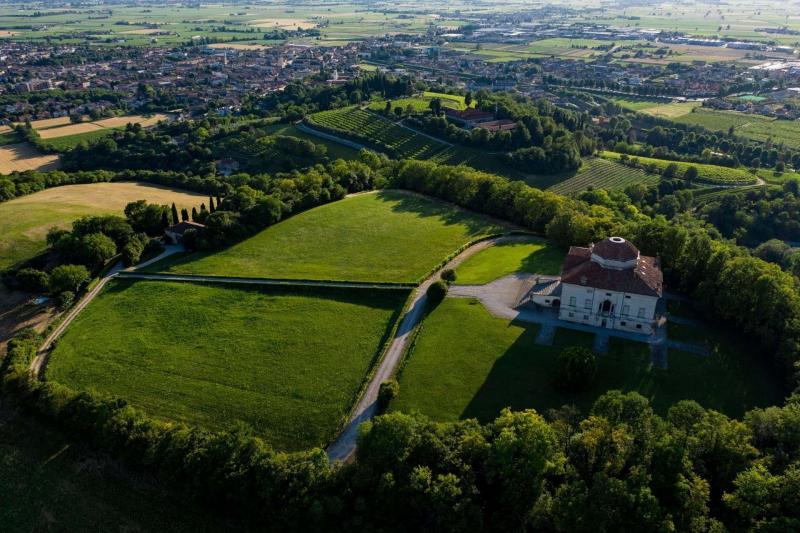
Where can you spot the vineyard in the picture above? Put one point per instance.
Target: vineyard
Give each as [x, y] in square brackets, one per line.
[376, 131]
[711, 174]
[711, 194]
[603, 174]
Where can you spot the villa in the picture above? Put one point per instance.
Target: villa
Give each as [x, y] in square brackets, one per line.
[609, 285]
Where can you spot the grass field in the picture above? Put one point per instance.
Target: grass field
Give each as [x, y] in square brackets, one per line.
[50, 483]
[24, 221]
[69, 142]
[289, 362]
[711, 174]
[536, 257]
[388, 236]
[601, 173]
[468, 364]
[335, 150]
[22, 156]
[422, 103]
[756, 127]
[65, 137]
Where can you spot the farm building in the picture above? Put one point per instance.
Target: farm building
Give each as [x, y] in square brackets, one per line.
[609, 284]
[175, 232]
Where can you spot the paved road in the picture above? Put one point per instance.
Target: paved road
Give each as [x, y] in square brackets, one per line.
[344, 447]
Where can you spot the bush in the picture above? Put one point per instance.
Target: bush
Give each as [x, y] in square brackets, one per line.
[32, 280]
[65, 300]
[132, 253]
[67, 278]
[387, 392]
[576, 367]
[436, 292]
[449, 275]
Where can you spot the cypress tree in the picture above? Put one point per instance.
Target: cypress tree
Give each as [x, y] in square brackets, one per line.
[184, 214]
[164, 219]
[211, 204]
[203, 207]
[174, 213]
[219, 202]
[194, 214]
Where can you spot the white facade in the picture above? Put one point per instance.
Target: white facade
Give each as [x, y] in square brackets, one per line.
[607, 309]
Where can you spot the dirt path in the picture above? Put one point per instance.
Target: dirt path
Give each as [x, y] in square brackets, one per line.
[344, 447]
[39, 363]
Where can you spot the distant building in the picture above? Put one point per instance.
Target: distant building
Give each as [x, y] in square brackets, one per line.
[470, 117]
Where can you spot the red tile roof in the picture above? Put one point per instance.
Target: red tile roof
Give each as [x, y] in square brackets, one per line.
[645, 278]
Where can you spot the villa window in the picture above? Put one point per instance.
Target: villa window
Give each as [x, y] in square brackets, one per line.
[622, 323]
[626, 309]
[573, 301]
[588, 304]
[641, 312]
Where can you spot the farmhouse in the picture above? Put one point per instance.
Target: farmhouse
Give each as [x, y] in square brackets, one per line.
[175, 232]
[609, 284]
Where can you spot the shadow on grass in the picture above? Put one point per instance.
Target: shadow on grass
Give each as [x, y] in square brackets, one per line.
[547, 260]
[424, 207]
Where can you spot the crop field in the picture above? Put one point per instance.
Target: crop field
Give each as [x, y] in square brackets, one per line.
[534, 256]
[600, 173]
[756, 127]
[421, 103]
[22, 156]
[68, 142]
[389, 236]
[172, 24]
[711, 174]
[369, 126]
[24, 221]
[289, 362]
[469, 364]
[52, 132]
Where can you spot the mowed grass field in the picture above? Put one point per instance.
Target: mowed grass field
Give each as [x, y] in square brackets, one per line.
[19, 157]
[24, 221]
[288, 362]
[534, 256]
[388, 236]
[469, 364]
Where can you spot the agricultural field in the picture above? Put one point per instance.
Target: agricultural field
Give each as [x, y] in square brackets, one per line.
[390, 236]
[174, 24]
[656, 107]
[710, 174]
[24, 221]
[20, 157]
[289, 362]
[756, 127]
[566, 48]
[64, 137]
[600, 173]
[375, 131]
[469, 364]
[353, 121]
[534, 256]
[335, 150]
[51, 483]
[422, 102]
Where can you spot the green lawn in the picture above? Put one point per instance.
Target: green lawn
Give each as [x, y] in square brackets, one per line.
[388, 236]
[468, 364]
[289, 362]
[537, 257]
[50, 483]
[68, 142]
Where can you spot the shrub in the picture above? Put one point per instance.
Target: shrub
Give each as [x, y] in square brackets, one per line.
[132, 253]
[576, 367]
[67, 278]
[436, 292]
[449, 275]
[65, 300]
[388, 391]
[32, 280]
